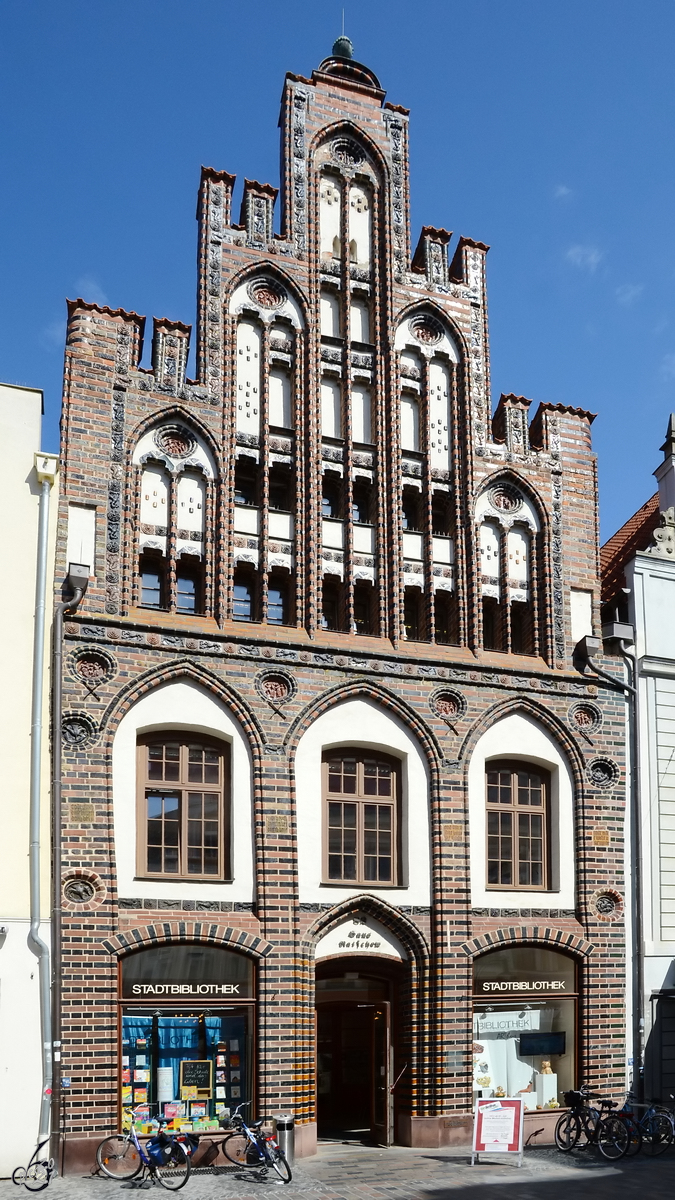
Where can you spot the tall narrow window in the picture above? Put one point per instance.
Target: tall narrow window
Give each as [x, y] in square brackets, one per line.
[410, 423]
[359, 225]
[331, 604]
[330, 313]
[183, 817]
[188, 587]
[248, 377]
[359, 318]
[361, 818]
[363, 608]
[330, 216]
[439, 415]
[277, 600]
[243, 604]
[361, 427]
[331, 409]
[517, 797]
[412, 613]
[280, 406]
[153, 581]
[246, 481]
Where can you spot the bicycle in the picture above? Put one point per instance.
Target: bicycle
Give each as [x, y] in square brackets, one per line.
[165, 1158]
[652, 1132]
[600, 1126]
[37, 1174]
[247, 1146]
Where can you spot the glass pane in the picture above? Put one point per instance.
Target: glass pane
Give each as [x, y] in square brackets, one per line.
[370, 842]
[384, 869]
[335, 814]
[186, 594]
[211, 834]
[370, 816]
[154, 833]
[349, 816]
[154, 858]
[210, 806]
[171, 861]
[334, 841]
[350, 841]
[349, 867]
[194, 863]
[334, 866]
[194, 833]
[370, 869]
[194, 806]
[154, 806]
[210, 862]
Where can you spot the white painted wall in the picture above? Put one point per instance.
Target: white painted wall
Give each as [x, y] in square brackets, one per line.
[20, 1040]
[345, 725]
[186, 706]
[519, 736]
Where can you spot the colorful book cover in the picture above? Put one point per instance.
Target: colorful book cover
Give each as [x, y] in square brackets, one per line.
[198, 1109]
[142, 1076]
[234, 1060]
[172, 1110]
[221, 1076]
[221, 1060]
[235, 1093]
[126, 1075]
[221, 1093]
[127, 1095]
[140, 1095]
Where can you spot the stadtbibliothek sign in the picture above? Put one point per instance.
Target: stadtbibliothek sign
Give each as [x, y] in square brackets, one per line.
[534, 985]
[187, 972]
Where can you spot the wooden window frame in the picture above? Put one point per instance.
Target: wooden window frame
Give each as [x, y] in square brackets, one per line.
[361, 799]
[514, 766]
[145, 785]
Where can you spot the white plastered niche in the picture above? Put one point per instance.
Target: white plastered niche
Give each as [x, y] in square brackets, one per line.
[520, 737]
[345, 725]
[182, 705]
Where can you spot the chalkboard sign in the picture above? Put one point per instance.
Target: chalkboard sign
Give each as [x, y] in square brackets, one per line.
[196, 1074]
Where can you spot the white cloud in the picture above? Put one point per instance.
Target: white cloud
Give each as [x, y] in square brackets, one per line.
[88, 288]
[628, 293]
[668, 366]
[561, 191]
[586, 258]
[53, 336]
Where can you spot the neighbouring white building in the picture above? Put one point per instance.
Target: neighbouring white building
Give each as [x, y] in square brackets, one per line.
[638, 568]
[20, 1040]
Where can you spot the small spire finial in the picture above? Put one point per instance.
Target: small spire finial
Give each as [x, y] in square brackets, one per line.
[342, 46]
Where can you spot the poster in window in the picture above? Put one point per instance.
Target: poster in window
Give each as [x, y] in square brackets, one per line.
[126, 1075]
[234, 1060]
[221, 1060]
[235, 1092]
[141, 1060]
[235, 1077]
[221, 1076]
[198, 1109]
[164, 1084]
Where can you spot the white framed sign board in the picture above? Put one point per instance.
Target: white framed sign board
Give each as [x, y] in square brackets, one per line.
[498, 1127]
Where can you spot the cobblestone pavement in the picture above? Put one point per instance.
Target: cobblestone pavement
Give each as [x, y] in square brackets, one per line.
[366, 1173]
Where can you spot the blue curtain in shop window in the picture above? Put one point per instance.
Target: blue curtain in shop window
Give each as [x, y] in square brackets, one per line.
[178, 1039]
[135, 1027]
[213, 1032]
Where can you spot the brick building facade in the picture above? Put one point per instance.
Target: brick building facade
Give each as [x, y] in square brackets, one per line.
[327, 582]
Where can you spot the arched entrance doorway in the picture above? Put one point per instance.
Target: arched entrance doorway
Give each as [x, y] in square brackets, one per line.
[361, 970]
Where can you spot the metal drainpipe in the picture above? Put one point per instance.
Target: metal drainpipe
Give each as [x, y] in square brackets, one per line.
[47, 468]
[57, 908]
[636, 855]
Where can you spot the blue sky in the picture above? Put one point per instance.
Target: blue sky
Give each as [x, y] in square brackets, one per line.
[543, 128]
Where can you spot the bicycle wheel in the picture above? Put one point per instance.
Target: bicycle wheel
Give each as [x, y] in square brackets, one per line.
[634, 1135]
[567, 1131]
[658, 1134]
[241, 1151]
[118, 1158]
[38, 1175]
[175, 1173]
[612, 1138]
[280, 1164]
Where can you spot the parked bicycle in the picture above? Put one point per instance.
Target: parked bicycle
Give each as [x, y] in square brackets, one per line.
[596, 1126]
[652, 1132]
[165, 1157]
[37, 1174]
[247, 1146]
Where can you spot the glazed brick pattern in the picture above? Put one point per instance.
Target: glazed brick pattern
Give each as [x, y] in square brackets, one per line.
[108, 403]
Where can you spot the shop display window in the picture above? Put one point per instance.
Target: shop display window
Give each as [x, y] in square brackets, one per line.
[190, 1063]
[524, 1025]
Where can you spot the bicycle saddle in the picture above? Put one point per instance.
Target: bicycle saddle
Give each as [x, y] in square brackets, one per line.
[257, 1124]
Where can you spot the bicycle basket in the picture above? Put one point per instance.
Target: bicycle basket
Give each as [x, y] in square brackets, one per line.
[573, 1099]
[159, 1150]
